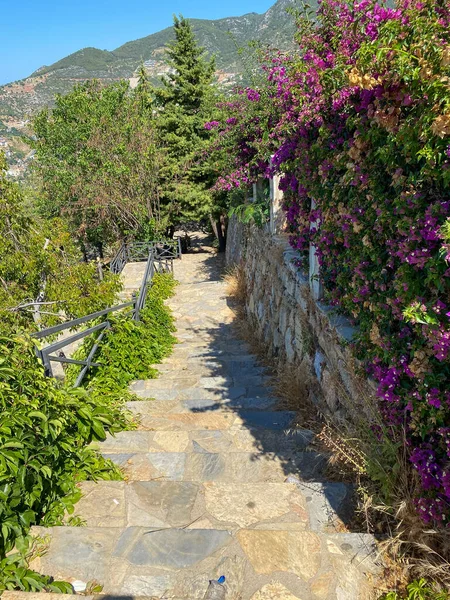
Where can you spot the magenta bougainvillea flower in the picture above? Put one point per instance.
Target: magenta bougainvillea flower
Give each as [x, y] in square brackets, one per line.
[358, 120]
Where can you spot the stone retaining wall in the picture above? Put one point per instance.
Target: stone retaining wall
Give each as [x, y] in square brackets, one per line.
[296, 328]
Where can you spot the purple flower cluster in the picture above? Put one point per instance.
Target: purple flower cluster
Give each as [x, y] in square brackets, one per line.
[212, 125]
[350, 128]
[253, 95]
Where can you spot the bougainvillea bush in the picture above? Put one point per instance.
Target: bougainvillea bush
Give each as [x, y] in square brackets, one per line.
[358, 121]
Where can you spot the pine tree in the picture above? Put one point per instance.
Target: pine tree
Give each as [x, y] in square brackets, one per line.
[185, 102]
[189, 85]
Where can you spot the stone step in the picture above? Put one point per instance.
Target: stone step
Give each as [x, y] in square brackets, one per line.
[150, 407]
[210, 332]
[259, 564]
[209, 378]
[193, 505]
[217, 419]
[180, 392]
[209, 368]
[231, 467]
[330, 504]
[214, 505]
[182, 352]
[193, 280]
[208, 337]
[199, 347]
[196, 380]
[228, 353]
[204, 321]
[207, 357]
[216, 440]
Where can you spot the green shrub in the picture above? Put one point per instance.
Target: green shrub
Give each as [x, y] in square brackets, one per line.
[15, 574]
[41, 258]
[417, 590]
[130, 348]
[45, 430]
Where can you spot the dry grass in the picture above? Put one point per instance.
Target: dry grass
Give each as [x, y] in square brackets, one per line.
[387, 485]
[237, 284]
[294, 387]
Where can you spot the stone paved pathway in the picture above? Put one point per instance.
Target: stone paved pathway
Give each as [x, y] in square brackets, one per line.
[216, 481]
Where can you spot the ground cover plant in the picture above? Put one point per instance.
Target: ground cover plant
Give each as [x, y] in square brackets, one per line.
[131, 348]
[418, 590]
[46, 428]
[357, 122]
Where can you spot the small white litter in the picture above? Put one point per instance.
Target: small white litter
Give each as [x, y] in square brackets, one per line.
[79, 586]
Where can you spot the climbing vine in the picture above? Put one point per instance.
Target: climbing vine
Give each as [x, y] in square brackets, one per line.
[358, 123]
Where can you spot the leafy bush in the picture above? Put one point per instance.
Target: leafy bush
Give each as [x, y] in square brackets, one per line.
[130, 348]
[417, 590]
[15, 575]
[46, 428]
[40, 258]
[254, 210]
[44, 433]
[97, 157]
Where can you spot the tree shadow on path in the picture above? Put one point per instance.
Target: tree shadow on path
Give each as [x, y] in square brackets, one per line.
[235, 380]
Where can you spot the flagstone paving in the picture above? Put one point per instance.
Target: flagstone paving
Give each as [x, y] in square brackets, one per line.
[217, 481]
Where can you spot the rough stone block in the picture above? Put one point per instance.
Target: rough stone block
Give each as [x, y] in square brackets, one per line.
[329, 504]
[343, 327]
[300, 294]
[260, 310]
[288, 345]
[282, 319]
[276, 339]
[329, 390]
[290, 285]
[319, 361]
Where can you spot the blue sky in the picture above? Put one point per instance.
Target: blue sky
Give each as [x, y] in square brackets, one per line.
[40, 32]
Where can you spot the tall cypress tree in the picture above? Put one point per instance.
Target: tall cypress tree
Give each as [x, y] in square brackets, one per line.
[185, 102]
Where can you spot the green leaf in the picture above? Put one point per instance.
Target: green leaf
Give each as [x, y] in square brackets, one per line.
[38, 414]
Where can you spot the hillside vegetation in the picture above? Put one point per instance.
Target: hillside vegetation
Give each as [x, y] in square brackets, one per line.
[356, 122]
[221, 38]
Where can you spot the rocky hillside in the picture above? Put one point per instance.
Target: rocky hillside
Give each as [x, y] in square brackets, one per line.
[222, 38]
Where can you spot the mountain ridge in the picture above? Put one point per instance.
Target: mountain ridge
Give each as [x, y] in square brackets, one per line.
[221, 38]
[120, 51]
